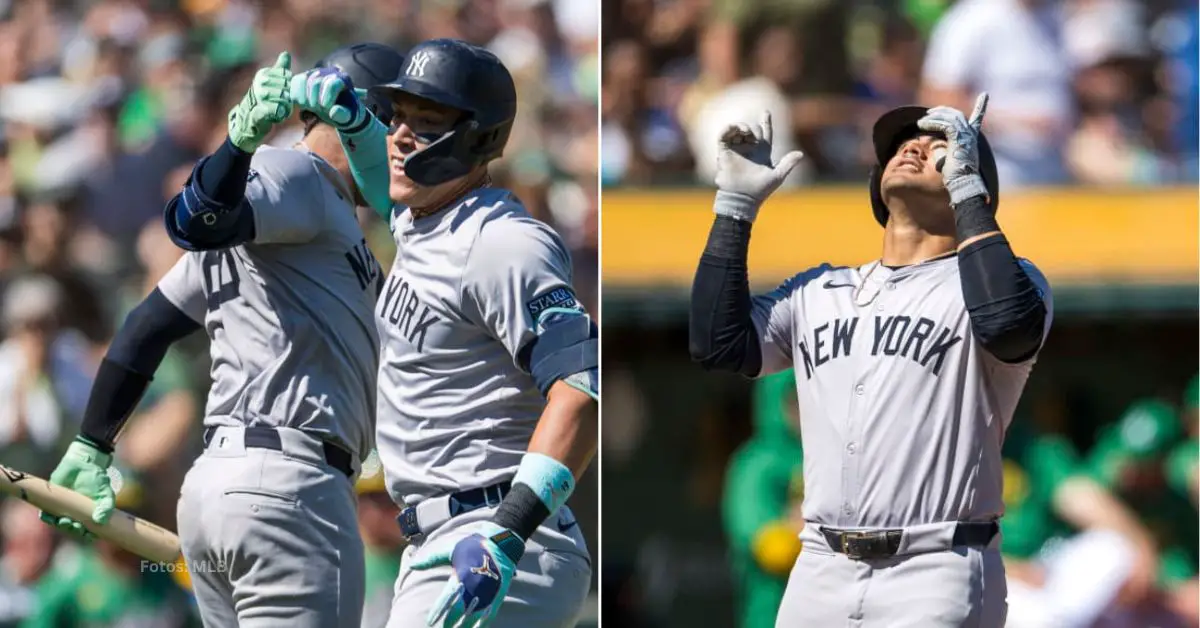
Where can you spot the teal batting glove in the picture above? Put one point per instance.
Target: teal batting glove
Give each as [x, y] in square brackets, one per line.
[329, 93]
[484, 564]
[84, 469]
[266, 104]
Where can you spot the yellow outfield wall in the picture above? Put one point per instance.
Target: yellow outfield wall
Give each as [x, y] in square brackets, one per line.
[1126, 235]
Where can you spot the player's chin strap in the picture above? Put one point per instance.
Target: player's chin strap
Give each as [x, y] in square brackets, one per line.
[541, 486]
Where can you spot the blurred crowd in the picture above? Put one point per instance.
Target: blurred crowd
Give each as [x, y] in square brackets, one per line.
[1103, 536]
[105, 106]
[1093, 92]
[1098, 536]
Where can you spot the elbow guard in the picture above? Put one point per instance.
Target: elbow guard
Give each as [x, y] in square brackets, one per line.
[567, 349]
[366, 150]
[1006, 308]
[1011, 332]
[196, 222]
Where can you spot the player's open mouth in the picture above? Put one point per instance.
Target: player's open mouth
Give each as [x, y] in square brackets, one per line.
[911, 163]
[397, 166]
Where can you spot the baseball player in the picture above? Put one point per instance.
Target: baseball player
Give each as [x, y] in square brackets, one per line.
[489, 369]
[908, 370]
[279, 276]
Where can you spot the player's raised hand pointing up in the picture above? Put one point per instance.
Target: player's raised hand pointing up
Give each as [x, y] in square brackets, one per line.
[961, 168]
[266, 104]
[746, 176]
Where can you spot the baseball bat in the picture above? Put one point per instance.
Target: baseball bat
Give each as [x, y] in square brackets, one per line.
[136, 535]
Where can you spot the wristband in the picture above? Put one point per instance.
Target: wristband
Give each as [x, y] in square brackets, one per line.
[736, 205]
[965, 187]
[974, 216]
[541, 486]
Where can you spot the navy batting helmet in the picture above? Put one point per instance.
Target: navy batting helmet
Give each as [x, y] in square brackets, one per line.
[367, 65]
[900, 124]
[457, 74]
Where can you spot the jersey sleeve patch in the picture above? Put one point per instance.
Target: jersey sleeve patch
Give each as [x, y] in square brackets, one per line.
[561, 297]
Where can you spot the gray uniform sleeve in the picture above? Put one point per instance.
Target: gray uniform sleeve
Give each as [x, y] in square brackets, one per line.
[285, 190]
[774, 322]
[516, 271]
[774, 315]
[184, 287]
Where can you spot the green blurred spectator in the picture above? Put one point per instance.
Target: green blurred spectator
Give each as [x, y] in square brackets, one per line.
[763, 492]
[102, 585]
[1036, 466]
[1131, 459]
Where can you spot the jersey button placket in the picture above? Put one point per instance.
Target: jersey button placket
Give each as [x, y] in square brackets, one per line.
[850, 471]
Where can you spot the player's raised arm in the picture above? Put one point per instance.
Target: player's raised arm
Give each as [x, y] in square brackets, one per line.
[360, 116]
[212, 211]
[1007, 299]
[174, 310]
[722, 331]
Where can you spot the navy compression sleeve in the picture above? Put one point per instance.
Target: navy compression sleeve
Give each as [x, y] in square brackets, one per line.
[1006, 309]
[222, 177]
[211, 212]
[129, 365]
[720, 328]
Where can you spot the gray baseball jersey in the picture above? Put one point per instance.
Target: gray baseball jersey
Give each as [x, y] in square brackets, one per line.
[456, 406]
[902, 413]
[290, 314]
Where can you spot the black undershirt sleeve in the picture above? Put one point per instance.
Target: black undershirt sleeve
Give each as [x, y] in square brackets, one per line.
[222, 177]
[720, 327]
[1006, 309]
[129, 366]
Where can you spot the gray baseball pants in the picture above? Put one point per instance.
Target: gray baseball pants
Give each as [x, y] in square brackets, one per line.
[271, 537]
[960, 587]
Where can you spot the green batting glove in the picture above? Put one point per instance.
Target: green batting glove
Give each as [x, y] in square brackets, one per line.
[84, 469]
[266, 104]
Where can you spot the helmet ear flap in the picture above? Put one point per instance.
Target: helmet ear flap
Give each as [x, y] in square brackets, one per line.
[877, 205]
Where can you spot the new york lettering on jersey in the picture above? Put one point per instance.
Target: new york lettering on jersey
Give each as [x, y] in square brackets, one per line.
[915, 337]
[401, 308]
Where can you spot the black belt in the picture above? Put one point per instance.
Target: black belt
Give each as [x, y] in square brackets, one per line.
[860, 544]
[458, 504]
[263, 437]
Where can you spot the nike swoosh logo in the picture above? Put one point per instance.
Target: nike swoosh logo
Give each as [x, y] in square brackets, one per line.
[829, 285]
[563, 527]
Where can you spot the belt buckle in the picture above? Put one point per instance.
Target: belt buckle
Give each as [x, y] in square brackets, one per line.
[407, 520]
[850, 547]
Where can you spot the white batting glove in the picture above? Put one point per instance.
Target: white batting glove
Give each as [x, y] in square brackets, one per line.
[961, 170]
[745, 174]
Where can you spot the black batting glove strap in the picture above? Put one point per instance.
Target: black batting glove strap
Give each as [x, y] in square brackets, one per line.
[974, 217]
[521, 511]
[1007, 313]
[106, 448]
[720, 327]
[115, 394]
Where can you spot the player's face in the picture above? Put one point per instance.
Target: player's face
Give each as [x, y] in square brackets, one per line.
[915, 164]
[416, 123]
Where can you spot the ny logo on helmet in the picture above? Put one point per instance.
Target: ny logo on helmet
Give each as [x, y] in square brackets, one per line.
[416, 65]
